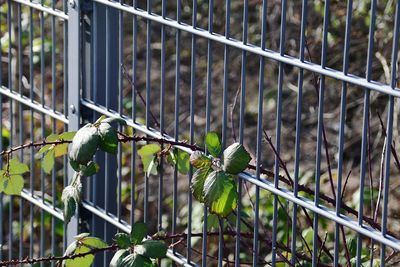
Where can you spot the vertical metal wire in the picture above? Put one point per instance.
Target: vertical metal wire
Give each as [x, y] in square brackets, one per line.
[298, 128]
[241, 126]
[278, 128]
[21, 128]
[148, 98]
[319, 132]
[120, 106]
[32, 136]
[54, 98]
[370, 56]
[192, 125]
[389, 129]
[10, 86]
[43, 123]
[107, 99]
[65, 108]
[95, 79]
[259, 133]
[162, 115]
[208, 119]
[226, 74]
[176, 122]
[134, 104]
[342, 130]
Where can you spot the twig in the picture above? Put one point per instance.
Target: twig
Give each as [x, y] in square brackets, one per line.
[231, 115]
[57, 258]
[128, 78]
[320, 251]
[283, 165]
[392, 146]
[326, 145]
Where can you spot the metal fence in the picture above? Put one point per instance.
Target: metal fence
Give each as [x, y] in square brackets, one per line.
[61, 67]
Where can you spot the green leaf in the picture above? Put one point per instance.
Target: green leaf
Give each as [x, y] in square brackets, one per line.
[118, 257]
[60, 150]
[11, 185]
[199, 160]
[70, 198]
[138, 232]
[111, 120]
[135, 260]
[123, 240]
[52, 138]
[44, 149]
[213, 144]
[235, 159]
[147, 154]
[108, 138]
[84, 144]
[220, 193]
[67, 136]
[93, 242]
[152, 249]
[99, 120]
[48, 162]
[89, 170]
[183, 162]
[16, 167]
[85, 244]
[198, 179]
[150, 149]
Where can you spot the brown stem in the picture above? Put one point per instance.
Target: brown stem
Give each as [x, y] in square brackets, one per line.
[57, 258]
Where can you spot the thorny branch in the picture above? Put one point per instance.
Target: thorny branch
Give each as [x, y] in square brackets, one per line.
[270, 175]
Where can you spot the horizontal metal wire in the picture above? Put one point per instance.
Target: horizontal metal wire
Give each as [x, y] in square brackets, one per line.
[328, 72]
[42, 204]
[55, 12]
[33, 104]
[124, 226]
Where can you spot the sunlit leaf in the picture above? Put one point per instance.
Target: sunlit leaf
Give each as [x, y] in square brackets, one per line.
[199, 160]
[52, 138]
[198, 179]
[70, 196]
[44, 149]
[48, 162]
[16, 167]
[152, 248]
[183, 162]
[67, 136]
[118, 257]
[60, 150]
[147, 154]
[135, 260]
[235, 159]
[111, 120]
[220, 193]
[213, 144]
[108, 138]
[84, 144]
[11, 185]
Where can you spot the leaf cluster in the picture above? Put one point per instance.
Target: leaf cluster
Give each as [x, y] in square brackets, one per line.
[213, 182]
[135, 250]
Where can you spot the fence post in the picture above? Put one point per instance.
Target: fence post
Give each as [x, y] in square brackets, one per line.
[74, 85]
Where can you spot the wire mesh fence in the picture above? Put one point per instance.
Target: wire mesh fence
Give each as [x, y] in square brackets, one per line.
[309, 87]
